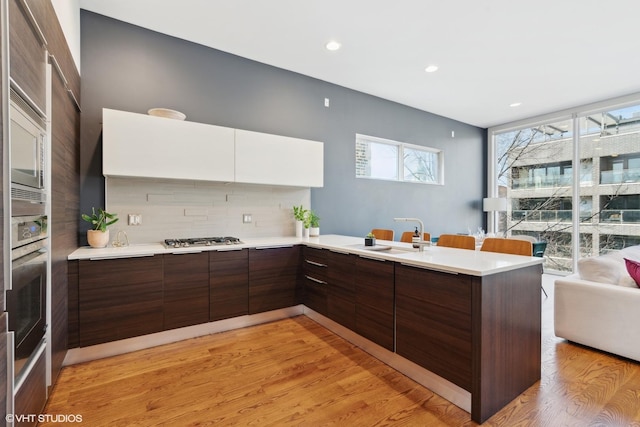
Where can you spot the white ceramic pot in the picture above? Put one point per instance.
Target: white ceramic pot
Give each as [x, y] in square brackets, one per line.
[314, 231]
[97, 238]
[299, 228]
[305, 233]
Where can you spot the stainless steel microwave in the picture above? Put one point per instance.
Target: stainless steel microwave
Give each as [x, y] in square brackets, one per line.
[27, 146]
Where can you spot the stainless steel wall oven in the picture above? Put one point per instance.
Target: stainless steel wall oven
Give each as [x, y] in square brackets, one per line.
[26, 300]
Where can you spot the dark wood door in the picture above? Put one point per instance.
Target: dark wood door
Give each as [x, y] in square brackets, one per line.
[315, 278]
[186, 289]
[341, 290]
[228, 284]
[433, 322]
[27, 57]
[119, 298]
[273, 278]
[375, 301]
[65, 210]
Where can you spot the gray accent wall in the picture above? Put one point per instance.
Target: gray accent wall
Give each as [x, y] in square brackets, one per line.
[129, 68]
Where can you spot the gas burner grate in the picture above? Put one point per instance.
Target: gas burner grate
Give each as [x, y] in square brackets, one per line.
[201, 241]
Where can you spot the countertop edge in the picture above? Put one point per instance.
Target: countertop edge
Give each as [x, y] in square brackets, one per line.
[448, 260]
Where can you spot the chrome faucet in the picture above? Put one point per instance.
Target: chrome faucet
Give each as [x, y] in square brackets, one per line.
[117, 243]
[421, 243]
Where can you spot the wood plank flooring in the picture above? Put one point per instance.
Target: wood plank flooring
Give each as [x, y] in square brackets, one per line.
[294, 372]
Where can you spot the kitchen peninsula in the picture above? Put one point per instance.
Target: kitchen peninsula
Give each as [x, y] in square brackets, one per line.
[465, 324]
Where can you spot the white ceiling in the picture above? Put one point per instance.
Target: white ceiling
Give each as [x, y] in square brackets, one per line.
[547, 54]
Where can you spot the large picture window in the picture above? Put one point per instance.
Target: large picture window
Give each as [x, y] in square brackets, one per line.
[379, 158]
[573, 182]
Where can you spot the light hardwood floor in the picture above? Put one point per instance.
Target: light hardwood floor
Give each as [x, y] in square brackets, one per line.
[295, 372]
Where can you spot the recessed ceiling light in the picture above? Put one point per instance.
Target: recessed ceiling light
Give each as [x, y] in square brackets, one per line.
[333, 45]
[431, 68]
[515, 104]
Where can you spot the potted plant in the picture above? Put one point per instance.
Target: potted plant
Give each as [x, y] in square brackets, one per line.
[314, 223]
[299, 214]
[98, 236]
[370, 240]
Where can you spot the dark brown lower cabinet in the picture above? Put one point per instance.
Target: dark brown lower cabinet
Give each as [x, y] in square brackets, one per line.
[119, 298]
[73, 339]
[186, 289]
[479, 332]
[315, 278]
[32, 395]
[341, 302]
[374, 280]
[228, 284]
[433, 322]
[273, 278]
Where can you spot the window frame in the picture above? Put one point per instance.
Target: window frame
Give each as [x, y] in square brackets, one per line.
[400, 162]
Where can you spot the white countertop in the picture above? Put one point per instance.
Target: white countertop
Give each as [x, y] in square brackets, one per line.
[474, 263]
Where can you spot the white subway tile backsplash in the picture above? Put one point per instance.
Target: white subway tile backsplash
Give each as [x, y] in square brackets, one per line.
[174, 208]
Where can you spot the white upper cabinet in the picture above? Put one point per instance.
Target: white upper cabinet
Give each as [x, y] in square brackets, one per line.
[139, 145]
[278, 160]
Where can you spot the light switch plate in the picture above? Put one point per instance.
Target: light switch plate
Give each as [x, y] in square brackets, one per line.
[246, 218]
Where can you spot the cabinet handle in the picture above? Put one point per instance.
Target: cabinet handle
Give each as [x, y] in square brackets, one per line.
[56, 65]
[318, 281]
[273, 247]
[100, 258]
[186, 253]
[339, 252]
[317, 264]
[373, 259]
[455, 273]
[33, 22]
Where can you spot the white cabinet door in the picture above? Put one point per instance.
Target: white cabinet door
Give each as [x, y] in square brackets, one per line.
[278, 160]
[139, 145]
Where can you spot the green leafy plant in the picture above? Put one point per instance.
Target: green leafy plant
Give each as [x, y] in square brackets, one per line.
[311, 219]
[101, 219]
[370, 236]
[299, 213]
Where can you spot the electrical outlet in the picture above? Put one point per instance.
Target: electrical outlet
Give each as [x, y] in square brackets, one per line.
[246, 218]
[134, 219]
[326, 102]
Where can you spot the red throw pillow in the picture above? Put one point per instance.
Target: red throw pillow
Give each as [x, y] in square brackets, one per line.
[633, 267]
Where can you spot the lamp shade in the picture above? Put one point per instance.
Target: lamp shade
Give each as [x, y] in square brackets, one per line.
[491, 204]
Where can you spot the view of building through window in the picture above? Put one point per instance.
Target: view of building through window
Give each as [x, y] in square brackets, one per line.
[385, 159]
[535, 172]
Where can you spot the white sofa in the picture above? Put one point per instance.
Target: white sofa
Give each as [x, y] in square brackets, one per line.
[600, 305]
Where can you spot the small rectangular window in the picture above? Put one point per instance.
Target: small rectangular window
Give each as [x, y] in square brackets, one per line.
[379, 158]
